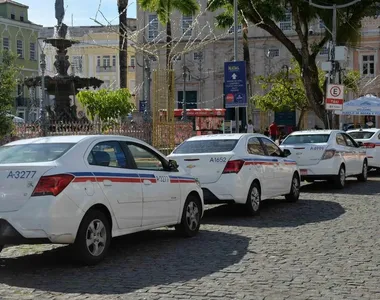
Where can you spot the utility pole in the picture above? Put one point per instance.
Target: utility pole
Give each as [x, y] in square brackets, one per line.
[184, 74]
[43, 94]
[334, 8]
[147, 69]
[236, 55]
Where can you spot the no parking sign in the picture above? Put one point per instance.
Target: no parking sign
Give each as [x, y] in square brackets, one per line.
[335, 97]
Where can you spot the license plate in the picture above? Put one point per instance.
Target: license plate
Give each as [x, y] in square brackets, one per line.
[303, 172]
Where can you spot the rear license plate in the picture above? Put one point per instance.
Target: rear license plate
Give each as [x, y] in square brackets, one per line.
[303, 172]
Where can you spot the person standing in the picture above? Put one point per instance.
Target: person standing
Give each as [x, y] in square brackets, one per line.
[249, 128]
[273, 131]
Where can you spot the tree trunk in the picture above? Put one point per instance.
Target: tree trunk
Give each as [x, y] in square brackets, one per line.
[299, 123]
[123, 43]
[169, 44]
[314, 94]
[247, 59]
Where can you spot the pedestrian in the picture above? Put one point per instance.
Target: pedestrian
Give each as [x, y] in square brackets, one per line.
[249, 128]
[266, 132]
[273, 131]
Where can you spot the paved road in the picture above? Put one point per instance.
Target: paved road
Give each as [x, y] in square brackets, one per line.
[324, 247]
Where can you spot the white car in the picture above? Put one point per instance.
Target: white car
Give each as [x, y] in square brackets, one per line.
[326, 155]
[239, 168]
[84, 190]
[370, 140]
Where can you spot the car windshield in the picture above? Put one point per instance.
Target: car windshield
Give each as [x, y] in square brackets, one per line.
[361, 134]
[306, 139]
[206, 146]
[31, 153]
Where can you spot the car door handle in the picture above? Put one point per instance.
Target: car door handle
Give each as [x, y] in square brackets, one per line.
[107, 182]
[147, 182]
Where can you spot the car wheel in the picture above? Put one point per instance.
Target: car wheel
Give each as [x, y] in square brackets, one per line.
[93, 238]
[364, 175]
[340, 180]
[191, 217]
[294, 194]
[254, 199]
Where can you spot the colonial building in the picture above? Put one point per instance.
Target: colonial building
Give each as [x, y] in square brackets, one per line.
[96, 55]
[19, 35]
[207, 48]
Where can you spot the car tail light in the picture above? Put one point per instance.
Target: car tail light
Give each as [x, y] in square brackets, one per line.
[233, 166]
[52, 185]
[369, 145]
[328, 154]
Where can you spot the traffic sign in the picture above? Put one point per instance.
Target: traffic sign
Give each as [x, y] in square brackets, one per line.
[334, 97]
[235, 84]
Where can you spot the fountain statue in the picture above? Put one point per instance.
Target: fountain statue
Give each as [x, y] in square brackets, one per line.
[62, 85]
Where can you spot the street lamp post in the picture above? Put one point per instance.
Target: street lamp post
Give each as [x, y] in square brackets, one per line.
[184, 74]
[237, 117]
[43, 93]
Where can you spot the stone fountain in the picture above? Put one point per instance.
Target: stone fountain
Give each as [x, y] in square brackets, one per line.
[62, 85]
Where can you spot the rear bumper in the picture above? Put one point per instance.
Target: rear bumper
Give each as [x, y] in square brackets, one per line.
[228, 189]
[325, 169]
[372, 162]
[41, 220]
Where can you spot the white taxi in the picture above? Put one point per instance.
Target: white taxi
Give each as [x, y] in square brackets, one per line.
[239, 168]
[84, 190]
[370, 140]
[327, 155]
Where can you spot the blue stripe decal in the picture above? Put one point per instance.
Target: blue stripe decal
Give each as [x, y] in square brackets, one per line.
[289, 160]
[180, 177]
[129, 175]
[82, 174]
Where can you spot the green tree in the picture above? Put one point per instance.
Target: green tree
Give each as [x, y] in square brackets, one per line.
[122, 6]
[8, 83]
[164, 9]
[105, 104]
[286, 90]
[267, 13]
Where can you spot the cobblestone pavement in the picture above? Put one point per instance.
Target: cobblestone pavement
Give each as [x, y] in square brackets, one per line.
[326, 246]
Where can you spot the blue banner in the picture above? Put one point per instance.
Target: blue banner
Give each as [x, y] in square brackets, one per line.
[235, 84]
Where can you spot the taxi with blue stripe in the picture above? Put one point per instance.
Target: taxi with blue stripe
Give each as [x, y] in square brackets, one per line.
[239, 168]
[84, 190]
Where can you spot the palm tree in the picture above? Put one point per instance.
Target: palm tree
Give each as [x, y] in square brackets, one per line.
[122, 6]
[164, 9]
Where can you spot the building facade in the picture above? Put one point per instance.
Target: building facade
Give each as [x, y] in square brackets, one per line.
[19, 35]
[96, 55]
[207, 48]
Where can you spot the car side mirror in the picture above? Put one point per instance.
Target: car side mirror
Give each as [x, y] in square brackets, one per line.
[173, 165]
[360, 144]
[286, 152]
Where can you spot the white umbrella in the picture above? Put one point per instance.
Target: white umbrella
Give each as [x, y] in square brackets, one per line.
[367, 105]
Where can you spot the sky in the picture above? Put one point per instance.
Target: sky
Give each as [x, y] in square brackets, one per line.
[78, 12]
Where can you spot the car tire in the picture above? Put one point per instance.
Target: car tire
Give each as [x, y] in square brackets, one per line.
[253, 203]
[340, 179]
[191, 217]
[364, 175]
[294, 194]
[93, 238]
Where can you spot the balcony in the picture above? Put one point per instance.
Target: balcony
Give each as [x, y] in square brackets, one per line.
[105, 69]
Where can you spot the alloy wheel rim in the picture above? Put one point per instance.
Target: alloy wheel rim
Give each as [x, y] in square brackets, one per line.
[296, 187]
[255, 199]
[342, 176]
[192, 216]
[96, 237]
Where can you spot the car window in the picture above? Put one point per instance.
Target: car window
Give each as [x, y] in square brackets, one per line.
[107, 154]
[145, 159]
[306, 139]
[350, 142]
[340, 140]
[31, 153]
[254, 147]
[206, 146]
[272, 148]
[361, 134]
